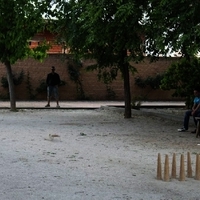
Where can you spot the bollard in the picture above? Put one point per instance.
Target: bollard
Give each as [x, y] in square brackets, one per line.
[159, 168]
[173, 175]
[197, 175]
[189, 166]
[182, 169]
[166, 168]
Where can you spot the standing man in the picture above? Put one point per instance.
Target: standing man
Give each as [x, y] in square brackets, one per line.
[52, 81]
[194, 112]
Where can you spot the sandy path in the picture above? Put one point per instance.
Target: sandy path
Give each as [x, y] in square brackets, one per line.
[99, 156]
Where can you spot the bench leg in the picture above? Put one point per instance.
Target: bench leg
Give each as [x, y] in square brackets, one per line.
[198, 129]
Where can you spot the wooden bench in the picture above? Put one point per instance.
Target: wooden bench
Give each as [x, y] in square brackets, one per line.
[198, 127]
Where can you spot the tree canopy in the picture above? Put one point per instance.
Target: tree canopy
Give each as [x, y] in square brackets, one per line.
[173, 26]
[106, 31]
[182, 77]
[19, 21]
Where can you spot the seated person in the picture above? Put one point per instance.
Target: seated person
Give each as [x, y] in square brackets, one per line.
[195, 112]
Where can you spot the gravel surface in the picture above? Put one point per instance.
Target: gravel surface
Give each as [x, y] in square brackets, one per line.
[98, 156]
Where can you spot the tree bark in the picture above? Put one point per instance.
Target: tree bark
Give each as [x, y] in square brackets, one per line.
[127, 93]
[11, 86]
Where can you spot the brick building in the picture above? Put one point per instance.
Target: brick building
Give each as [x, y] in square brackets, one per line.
[35, 72]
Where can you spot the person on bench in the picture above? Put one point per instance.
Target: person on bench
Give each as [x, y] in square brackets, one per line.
[194, 112]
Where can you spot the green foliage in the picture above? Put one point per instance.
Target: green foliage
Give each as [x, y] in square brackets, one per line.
[30, 87]
[39, 52]
[62, 83]
[19, 21]
[111, 95]
[17, 79]
[107, 75]
[182, 77]
[173, 26]
[73, 68]
[4, 96]
[42, 86]
[153, 82]
[103, 30]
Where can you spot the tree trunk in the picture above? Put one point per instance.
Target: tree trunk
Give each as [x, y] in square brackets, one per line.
[127, 93]
[11, 86]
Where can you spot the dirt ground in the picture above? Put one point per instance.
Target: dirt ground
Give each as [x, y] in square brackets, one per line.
[98, 156]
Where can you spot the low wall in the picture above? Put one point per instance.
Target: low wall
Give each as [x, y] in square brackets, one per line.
[35, 72]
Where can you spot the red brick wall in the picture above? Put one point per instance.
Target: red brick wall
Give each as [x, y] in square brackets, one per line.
[93, 89]
[49, 38]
